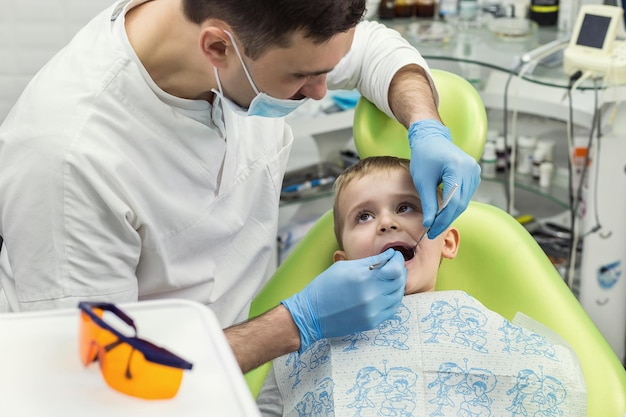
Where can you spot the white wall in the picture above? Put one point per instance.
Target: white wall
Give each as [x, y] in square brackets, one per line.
[31, 31]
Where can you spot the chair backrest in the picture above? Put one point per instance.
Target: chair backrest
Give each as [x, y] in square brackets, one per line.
[461, 110]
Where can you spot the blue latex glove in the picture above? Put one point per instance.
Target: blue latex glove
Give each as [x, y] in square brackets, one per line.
[434, 160]
[349, 297]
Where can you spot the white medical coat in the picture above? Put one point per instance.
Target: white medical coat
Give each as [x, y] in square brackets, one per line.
[112, 189]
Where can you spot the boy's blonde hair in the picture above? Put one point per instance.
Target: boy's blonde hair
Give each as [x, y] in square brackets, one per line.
[361, 169]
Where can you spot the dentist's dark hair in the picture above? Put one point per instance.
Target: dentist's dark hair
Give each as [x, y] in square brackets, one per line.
[261, 24]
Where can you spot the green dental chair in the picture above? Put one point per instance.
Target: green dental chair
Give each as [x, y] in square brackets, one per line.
[498, 262]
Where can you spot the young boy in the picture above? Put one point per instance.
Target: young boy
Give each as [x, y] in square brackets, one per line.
[377, 208]
[441, 354]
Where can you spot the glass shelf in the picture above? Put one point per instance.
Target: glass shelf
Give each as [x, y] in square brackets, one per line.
[481, 46]
[322, 194]
[557, 193]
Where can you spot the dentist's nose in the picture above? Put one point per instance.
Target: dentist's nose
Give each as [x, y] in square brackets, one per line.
[315, 87]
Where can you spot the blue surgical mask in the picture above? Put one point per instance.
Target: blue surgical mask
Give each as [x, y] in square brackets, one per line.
[262, 104]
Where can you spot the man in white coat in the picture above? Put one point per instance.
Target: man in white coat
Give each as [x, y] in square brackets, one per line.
[145, 160]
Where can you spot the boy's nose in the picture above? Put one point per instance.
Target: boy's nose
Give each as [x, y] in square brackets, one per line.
[387, 223]
[388, 227]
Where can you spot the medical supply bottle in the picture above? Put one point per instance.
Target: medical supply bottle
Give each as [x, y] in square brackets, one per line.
[544, 12]
[488, 161]
[447, 9]
[538, 158]
[387, 9]
[468, 12]
[524, 158]
[425, 8]
[405, 8]
[502, 157]
[545, 174]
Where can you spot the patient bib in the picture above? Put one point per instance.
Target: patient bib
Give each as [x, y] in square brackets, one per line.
[442, 354]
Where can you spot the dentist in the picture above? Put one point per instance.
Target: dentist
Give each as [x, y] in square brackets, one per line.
[145, 160]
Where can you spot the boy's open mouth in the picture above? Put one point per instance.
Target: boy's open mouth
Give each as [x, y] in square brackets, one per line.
[406, 251]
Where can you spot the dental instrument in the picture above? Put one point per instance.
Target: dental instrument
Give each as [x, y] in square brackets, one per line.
[317, 182]
[443, 206]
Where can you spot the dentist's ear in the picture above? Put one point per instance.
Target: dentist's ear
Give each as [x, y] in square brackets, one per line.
[214, 42]
[452, 239]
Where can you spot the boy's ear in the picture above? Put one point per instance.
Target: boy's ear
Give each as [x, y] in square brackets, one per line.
[339, 256]
[452, 238]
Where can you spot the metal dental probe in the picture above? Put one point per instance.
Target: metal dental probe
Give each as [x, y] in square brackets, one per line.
[443, 206]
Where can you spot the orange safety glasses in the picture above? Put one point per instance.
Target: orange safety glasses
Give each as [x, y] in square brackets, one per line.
[130, 365]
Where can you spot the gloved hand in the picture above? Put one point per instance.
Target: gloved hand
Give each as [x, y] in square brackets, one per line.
[435, 159]
[349, 297]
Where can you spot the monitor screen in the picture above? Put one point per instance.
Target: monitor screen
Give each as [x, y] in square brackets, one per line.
[593, 31]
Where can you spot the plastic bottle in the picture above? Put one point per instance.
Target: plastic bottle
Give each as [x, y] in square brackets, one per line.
[545, 174]
[538, 159]
[525, 148]
[502, 159]
[520, 8]
[405, 8]
[544, 12]
[425, 8]
[548, 149]
[448, 9]
[468, 11]
[488, 160]
[387, 9]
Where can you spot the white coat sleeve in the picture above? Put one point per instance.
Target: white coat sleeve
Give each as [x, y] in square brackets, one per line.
[377, 53]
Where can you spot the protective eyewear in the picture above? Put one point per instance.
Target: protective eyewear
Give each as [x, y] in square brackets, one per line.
[130, 365]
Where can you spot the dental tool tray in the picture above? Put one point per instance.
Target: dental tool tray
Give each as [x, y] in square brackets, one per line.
[309, 181]
[42, 375]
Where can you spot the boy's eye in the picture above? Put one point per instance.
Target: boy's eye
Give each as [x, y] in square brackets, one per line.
[405, 208]
[363, 217]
